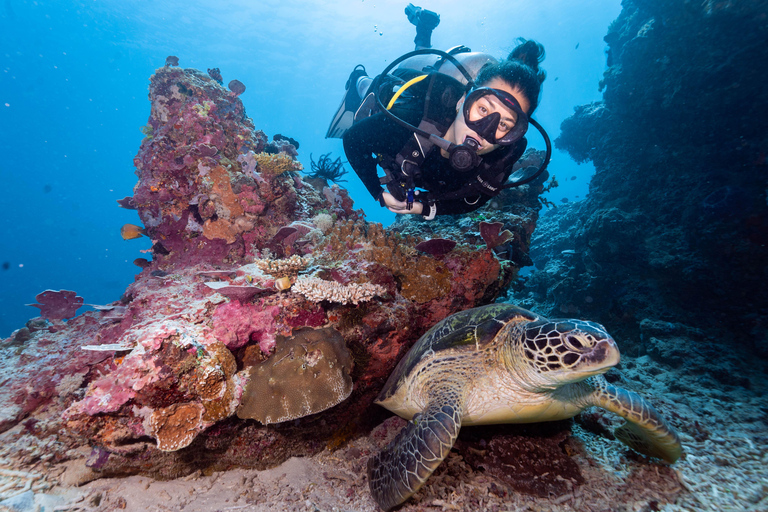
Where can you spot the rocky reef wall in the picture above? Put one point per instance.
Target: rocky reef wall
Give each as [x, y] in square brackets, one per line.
[675, 227]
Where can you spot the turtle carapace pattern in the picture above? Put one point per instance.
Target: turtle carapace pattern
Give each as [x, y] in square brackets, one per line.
[502, 364]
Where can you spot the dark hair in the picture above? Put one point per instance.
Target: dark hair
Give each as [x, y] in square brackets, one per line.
[520, 69]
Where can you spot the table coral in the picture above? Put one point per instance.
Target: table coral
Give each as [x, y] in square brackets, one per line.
[58, 305]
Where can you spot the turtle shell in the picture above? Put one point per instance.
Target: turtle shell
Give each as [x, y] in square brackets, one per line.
[466, 329]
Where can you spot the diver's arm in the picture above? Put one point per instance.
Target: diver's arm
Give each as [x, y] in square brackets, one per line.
[366, 138]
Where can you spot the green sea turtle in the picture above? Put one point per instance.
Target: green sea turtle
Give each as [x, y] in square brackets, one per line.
[502, 364]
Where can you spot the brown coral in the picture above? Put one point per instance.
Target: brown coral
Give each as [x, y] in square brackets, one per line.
[227, 208]
[421, 277]
[274, 164]
[308, 373]
[176, 426]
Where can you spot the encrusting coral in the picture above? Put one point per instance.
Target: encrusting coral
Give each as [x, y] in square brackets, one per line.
[307, 374]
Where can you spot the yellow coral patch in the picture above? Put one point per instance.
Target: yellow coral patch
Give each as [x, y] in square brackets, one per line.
[274, 164]
[422, 278]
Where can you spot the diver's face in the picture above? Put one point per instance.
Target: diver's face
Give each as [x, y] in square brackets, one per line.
[484, 106]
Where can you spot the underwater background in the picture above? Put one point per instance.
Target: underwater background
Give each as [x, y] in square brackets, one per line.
[657, 229]
[73, 98]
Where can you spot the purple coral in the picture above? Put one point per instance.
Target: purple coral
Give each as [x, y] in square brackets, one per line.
[127, 202]
[492, 234]
[237, 87]
[215, 73]
[57, 305]
[436, 246]
[241, 293]
[287, 235]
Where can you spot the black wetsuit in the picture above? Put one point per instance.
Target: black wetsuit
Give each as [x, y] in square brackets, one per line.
[453, 192]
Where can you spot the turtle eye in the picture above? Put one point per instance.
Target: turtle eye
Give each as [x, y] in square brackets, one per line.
[574, 342]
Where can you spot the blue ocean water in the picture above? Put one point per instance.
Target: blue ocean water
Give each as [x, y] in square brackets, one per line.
[73, 97]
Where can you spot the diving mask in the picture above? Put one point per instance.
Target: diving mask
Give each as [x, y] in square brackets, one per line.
[487, 126]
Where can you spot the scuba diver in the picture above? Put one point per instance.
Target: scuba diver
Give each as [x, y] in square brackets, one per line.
[445, 127]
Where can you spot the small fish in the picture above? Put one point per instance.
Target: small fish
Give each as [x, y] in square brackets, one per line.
[131, 231]
[564, 200]
[573, 178]
[577, 46]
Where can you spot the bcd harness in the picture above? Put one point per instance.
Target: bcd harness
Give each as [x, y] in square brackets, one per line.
[402, 170]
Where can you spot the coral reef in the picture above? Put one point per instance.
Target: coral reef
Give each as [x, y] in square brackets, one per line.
[250, 270]
[206, 190]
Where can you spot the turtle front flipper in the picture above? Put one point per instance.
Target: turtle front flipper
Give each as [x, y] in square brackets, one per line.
[645, 430]
[400, 470]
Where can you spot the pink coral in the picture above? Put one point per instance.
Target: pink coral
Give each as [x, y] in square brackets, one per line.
[235, 324]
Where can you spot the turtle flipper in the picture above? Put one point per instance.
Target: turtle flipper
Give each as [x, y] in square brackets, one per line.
[400, 470]
[645, 430]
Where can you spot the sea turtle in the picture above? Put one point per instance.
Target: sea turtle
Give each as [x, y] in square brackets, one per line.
[502, 364]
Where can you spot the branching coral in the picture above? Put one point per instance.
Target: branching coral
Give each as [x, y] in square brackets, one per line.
[327, 169]
[285, 267]
[317, 290]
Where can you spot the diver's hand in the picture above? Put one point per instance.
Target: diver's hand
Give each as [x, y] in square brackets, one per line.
[396, 206]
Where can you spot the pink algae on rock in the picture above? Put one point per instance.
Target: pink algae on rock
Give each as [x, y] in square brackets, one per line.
[236, 324]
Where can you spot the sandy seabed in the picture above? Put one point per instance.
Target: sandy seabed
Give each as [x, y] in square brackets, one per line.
[725, 467]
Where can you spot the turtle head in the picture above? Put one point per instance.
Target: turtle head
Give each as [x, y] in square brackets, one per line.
[563, 351]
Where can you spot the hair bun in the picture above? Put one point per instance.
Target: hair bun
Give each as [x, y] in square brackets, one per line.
[530, 53]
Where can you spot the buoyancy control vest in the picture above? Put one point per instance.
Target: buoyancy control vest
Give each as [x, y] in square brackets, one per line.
[446, 76]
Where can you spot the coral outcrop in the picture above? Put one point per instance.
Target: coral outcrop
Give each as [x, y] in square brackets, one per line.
[263, 296]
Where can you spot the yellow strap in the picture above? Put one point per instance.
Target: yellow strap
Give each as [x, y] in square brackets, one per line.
[403, 88]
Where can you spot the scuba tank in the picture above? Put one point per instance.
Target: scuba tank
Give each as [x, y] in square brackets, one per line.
[357, 104]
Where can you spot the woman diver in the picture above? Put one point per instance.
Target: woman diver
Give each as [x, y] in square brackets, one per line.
[445, 128]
